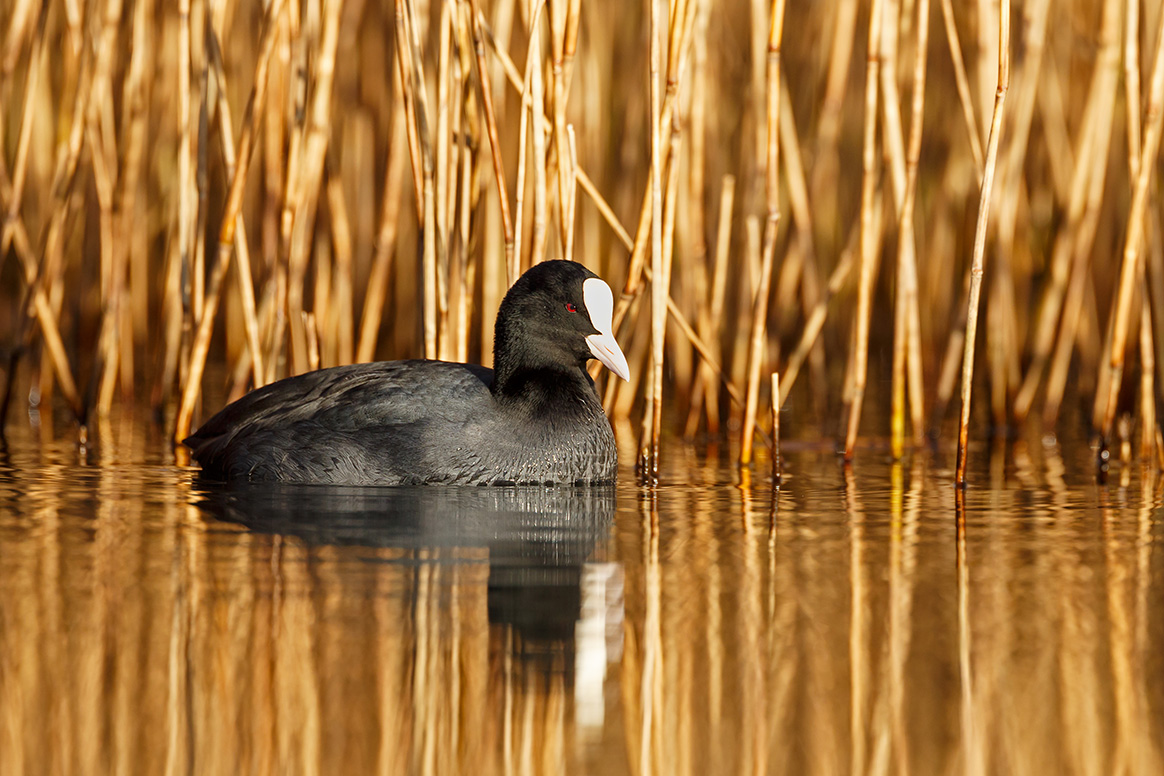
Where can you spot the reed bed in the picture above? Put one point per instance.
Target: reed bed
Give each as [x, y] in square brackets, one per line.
[202, 197]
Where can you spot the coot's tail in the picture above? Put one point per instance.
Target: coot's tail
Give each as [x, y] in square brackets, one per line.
[209, 452]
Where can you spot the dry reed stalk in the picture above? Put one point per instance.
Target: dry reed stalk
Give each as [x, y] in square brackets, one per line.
[652, 420]
[571, 191]
[804, 246]
[20, 25]
[310, 180]
[1155, 286]
[243, 366]
[187, 215]
[1105, 405]
[1148, 427]
[914, 370]
[714, 312]
[1132, 84]
[573, 21]
[679, 44]
[321, 305]
[245, 282]
[135, 114]
[443, 142]
[1080, 298]
[408, 98]
[907, 318]
[105, 183]
[226, 236]
[1065, 342]
[1085, 199]
[377, 291]
[858, 357]
[13, 230]
[772, 189]
[491, 131]
[1053, 116]
[541, 216]
[1001, 346]
[1147, 383]
[695, 225]
[14, 193]
[984, 202]
[1012, 190]
[892, 135]
[583, 179]
[199, 67]
[962, 83]
[775, 402]
[648, 461]
[649, 445]
[341, 237]
[39, 273]
[824, 173]
[172, 310]
[703, 348]
[409, 48]
[751, 260]
[468, 268]
[279, 137]
[642, 234]
[719, 284]
[987, 59]
[312, 332]
[814, 324]
[465, 119]
[532, 60]
[556, 13]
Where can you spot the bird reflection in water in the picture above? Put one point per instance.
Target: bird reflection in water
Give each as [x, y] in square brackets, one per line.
[554, 602]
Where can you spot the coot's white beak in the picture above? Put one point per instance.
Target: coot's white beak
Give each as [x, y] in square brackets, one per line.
[600, 304]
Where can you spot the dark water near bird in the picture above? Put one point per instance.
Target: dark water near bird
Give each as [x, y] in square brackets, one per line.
[852, 620]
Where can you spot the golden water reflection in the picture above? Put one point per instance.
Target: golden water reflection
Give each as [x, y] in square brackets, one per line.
[862, 621]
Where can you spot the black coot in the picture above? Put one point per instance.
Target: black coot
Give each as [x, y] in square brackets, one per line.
[535, 417]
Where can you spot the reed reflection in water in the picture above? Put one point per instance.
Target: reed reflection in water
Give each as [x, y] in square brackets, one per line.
[863, 621]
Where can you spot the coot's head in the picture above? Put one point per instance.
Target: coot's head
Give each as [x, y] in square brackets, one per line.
[558, 314]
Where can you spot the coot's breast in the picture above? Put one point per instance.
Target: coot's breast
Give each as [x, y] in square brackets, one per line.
[401, 422]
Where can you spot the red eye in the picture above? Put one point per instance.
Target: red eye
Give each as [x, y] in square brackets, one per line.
[571, 307]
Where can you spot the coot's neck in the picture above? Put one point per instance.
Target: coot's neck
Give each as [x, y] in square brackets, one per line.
[543, 386]
[532, 372]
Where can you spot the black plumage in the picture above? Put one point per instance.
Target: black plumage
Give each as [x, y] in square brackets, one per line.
[536, 418]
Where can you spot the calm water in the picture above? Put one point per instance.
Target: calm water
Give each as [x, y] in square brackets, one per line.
[844, 624]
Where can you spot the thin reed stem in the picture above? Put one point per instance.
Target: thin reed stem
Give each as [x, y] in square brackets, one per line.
[962, 83]
[977, 265]
[649, 446]
[227, 233]
[870, 232]
[910, 315]
[245, 277]
[1105, 404]
[775, 401]
[491, 131]
[772, 189]
[385, 248]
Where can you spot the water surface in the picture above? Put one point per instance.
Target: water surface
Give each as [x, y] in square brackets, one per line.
[851, 621]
